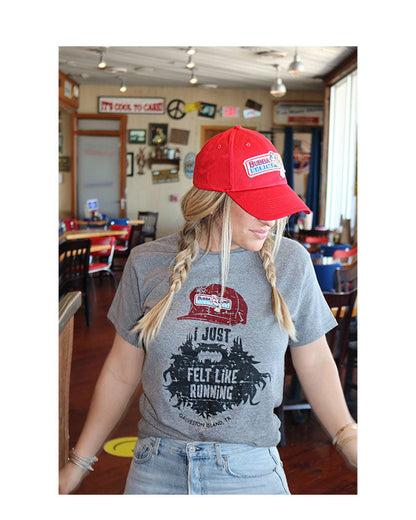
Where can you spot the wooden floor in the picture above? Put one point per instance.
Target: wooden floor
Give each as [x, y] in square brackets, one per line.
[311, 463]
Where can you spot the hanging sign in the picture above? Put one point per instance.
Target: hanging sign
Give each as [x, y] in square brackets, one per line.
[192, 107]
[132, 105]
[249, 112]
[298, 114]
[230, 111]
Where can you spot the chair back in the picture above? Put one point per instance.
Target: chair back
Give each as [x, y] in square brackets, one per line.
[330, 250]
[136, 231]
[119, 222]
[122, 239]
[346, 278]
[150, 224]
[325, 273]
[316, 240]
[70, 224]
[342, 305]
[73, 263]
[107, 252]
[340, 254]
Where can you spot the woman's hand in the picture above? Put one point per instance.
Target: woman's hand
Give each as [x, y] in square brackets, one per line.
[70, 478]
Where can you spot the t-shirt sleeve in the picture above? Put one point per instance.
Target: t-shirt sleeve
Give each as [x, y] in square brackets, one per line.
[311, 315]
[126, 307]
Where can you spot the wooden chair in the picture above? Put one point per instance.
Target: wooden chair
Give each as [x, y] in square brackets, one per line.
[346, 278]
[74, 256]
[68, 306]
[150, 224]
[342, 305]
[293, 398]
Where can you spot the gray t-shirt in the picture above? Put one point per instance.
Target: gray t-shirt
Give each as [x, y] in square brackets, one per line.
[215, 371]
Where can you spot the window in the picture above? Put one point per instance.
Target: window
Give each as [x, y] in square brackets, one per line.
[342, 153]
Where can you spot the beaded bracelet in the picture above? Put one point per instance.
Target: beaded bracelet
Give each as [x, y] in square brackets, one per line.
[82, 462]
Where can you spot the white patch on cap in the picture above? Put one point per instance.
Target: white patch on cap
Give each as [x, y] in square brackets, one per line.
[265, 163]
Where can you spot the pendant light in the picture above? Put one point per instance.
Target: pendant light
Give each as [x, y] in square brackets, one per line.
[102, 64]
[190, 65]
[194, 79]
[278, 88]
[296, 66]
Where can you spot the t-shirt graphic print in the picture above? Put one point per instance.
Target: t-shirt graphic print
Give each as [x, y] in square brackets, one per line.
[212, 373]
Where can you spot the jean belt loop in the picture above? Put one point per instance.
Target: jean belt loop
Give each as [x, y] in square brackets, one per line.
[156, 443]
[219, 456]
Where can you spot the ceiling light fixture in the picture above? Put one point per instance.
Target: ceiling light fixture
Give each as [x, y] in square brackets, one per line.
[123, 87]
[194, 79]
[102, 64]
[296, 66]
[190, 65]
[278, 88]
[190, 51]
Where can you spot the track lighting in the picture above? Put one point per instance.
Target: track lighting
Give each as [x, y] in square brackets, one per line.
[102, 64]
[190, 65]
[194, 79]
[296, 66]
[190, 51]
[278, 88]
[123, 87]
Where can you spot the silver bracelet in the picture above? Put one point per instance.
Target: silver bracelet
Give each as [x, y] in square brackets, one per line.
[82, 462]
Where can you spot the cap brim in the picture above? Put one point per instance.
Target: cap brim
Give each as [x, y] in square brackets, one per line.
[270, 203]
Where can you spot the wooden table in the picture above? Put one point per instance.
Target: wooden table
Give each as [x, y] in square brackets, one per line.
[89, 233]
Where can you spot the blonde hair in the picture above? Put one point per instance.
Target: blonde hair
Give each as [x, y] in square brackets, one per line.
[202, 210]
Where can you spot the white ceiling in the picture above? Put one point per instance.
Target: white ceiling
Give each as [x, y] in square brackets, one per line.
[222, 67]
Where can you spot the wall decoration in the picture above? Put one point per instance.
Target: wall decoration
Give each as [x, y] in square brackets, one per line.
[230, 111]
[140, 158]
[64, 163]
[268, 135]
[302, 142]
[192, 107]
[179, 136]
[250, 112]
[137, 136]
[252, 104]
[176, 109]
[130, 164]
[162, 176]
[207, 110]
[158, 134]
[298, 114]
[131, 105]
[189, 165]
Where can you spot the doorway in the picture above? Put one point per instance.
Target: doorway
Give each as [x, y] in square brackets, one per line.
[98, 163]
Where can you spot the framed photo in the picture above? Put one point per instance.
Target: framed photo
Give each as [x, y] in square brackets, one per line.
[298, 114]
[158, 134]
[130, 164]
[137, 136]
[207, 110]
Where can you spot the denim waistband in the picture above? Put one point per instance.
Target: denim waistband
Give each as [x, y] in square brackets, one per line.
[198, 448]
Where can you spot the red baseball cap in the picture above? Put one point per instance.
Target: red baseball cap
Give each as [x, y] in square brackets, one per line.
[245, 165]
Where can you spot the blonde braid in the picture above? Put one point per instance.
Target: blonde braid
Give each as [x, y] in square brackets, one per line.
[199, 209]
[267, 254]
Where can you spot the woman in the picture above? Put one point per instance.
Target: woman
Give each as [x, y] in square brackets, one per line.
[203, 319]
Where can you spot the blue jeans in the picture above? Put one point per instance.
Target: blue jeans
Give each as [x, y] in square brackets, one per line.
[170, 467]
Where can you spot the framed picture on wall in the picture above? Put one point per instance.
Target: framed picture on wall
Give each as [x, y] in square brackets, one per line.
[137, 136]
[207, 110]
[130, 164]
[158, 134]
